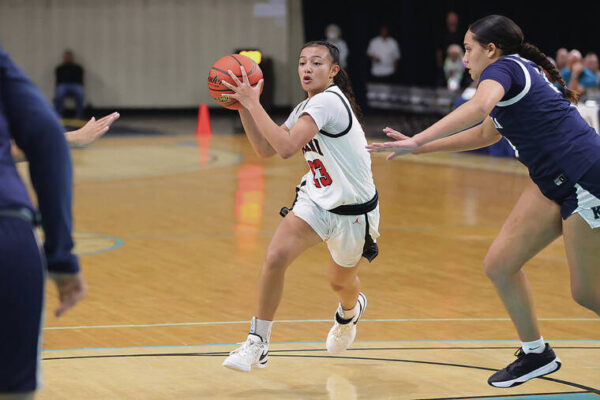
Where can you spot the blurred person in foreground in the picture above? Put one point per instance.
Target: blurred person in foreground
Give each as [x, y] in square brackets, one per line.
[26, 116]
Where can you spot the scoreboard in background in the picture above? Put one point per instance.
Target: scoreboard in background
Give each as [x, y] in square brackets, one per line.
[266, 65]
[255, 54]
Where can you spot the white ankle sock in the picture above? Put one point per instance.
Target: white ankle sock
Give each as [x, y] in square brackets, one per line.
[262, 328]
[349, 314]
[537, 346]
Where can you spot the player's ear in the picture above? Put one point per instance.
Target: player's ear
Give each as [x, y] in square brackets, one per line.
[335, 68]
[492, 50]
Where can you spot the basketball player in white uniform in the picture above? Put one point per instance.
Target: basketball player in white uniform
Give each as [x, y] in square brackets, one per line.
[336, 201]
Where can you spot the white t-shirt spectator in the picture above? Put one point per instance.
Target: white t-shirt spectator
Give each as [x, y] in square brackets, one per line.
[387, 51]
[343, 48]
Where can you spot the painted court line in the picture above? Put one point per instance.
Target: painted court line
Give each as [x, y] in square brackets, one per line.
[565, 396]
[55, 328]
[447, 341]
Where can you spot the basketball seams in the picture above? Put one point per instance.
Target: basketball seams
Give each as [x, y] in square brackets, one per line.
[237, 76]
[218, 75]
[242, 65]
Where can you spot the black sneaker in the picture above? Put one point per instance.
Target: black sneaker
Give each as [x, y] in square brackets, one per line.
[526, 367]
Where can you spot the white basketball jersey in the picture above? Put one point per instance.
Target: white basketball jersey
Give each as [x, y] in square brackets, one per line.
[340, 166]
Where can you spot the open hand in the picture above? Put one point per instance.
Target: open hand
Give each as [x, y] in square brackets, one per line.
[244, 92]
[92, 130]
[402, 146]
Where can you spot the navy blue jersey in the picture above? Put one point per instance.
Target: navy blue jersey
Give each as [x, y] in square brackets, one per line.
[26, 116]
[549, 134]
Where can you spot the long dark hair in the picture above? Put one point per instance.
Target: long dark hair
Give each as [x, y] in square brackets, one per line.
[509, 38]
[342, 80]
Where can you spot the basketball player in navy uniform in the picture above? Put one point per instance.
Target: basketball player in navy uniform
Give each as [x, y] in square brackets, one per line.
[516, 99]
[336, 201]
[28, 118]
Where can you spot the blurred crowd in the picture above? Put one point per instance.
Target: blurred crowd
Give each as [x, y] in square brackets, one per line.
[581, 73]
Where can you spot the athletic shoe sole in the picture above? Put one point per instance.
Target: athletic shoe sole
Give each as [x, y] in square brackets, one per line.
[549, 368]
[243, 367]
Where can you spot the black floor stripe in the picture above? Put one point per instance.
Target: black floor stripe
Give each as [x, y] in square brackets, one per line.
[502, 396]
[221, 354]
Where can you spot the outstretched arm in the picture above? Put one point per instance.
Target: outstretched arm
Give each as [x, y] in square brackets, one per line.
[488, 94]
[92, 130]
[464, 117]
[83, 136]
[479, 136]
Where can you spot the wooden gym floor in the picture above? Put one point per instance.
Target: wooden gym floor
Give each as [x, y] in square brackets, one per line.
[171, 234]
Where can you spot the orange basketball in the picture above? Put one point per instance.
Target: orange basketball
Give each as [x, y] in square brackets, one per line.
[218, 73]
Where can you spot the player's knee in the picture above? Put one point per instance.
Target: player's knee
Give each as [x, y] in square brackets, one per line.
[497, 268]
[337, 286]
[586, 296]
[492, 266]
[276, 259]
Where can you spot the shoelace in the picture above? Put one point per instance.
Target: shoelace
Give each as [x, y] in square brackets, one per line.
[340, 329]
[249, 348]
[519, 354]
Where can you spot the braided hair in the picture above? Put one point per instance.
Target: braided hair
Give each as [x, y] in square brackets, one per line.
[509, 38]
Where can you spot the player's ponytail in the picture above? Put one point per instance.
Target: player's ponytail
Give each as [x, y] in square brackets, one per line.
[342, 80]
[508, 37]
[531, 52]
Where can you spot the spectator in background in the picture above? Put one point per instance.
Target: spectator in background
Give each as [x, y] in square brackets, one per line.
[562, 57]
[384, 53]
[454, 67]
[591, 62]
[576, 76]
[333, 33]
[452, 35]
[69, 83]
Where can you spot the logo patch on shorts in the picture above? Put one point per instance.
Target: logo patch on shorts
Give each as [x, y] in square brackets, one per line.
[596, 211]
[357, 221]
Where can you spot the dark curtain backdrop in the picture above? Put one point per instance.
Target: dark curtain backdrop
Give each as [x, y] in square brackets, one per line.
[418, 25]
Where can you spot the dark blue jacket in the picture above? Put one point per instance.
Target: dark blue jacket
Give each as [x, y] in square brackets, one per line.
[26, 116]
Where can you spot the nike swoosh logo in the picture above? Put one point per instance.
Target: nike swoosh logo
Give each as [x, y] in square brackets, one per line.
[263, 356]
[359, 313]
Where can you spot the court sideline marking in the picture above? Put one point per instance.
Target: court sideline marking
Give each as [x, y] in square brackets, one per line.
[52, 328]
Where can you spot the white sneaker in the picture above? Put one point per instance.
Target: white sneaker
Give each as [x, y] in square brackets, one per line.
[252, 353]
[342, 333]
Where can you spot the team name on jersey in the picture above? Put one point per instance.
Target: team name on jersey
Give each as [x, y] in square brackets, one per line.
[313, 146]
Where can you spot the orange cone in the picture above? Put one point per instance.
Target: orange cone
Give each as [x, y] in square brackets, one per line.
[203, 126]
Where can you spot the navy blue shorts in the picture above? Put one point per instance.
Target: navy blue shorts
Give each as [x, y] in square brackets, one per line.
[21, 302]
[584, 199]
